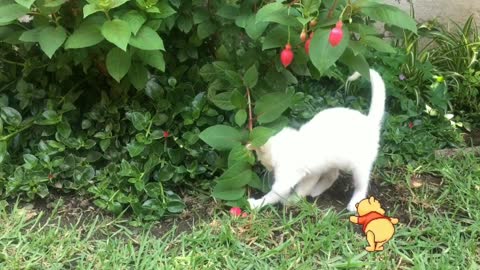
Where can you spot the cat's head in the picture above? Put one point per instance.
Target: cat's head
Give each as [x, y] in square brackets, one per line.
[264, 154]
[269, 152]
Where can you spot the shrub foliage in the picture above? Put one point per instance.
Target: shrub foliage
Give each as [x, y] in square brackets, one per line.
[129, 101]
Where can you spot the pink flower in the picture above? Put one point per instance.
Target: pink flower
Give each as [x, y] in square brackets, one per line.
[410, 125]
[166, 134]
[336, 34]
[236, 211]
[244, 215]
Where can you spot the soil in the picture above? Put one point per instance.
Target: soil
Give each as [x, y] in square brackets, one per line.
[81, 210]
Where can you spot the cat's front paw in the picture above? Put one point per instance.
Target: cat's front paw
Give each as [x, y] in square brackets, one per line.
[254, 203]
[352, 207]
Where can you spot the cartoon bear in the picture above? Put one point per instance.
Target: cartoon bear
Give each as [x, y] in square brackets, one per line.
[377, 227]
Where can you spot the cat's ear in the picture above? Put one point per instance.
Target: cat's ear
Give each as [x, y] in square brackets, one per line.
[250, 147]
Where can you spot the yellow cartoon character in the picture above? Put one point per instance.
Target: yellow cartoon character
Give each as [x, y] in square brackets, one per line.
[377, 227]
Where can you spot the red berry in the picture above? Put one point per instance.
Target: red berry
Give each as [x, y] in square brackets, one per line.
[235, 211]
[166, 134]
[336, 34]
[244, 215]
[303, 36]
[286, 57]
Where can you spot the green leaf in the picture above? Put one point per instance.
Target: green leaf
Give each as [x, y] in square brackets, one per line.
[251, 77]
[390, 15]
[221, 137]
[378, 44]
[117, 32]
[30, 161]
[356, 62]
[118, 63]
[11, 116]
[241, 117]
[10, 12]
[255, 29]
[310, 6]
[279, 13]
[322, 54]
[147, 39]
[228, 12]
[86, 35]
[25, 3]
[238, 100]
[224, 192]
[50, 117]
[222, 101]
[134, 19]
[240, 153]
[185, 23]
[90, 9]
[138, 76]
[153, 59]
[3, 150]
[205, 29]
[134, 149]
[51, 38]
[237, 175]
[139, 120]
[271, 106]
[64, 129]
[234, 78]
[276, 37]
[260, 136]
[31, 35]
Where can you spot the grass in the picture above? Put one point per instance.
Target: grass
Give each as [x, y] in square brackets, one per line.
[439, 229]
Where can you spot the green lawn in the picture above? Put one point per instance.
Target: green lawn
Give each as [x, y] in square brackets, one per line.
[439, 229]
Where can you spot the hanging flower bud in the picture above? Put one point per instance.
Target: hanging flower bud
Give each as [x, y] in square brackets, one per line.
[336, 34]
[303, 35]
[307, 44]
[313, 23]
[286, 57]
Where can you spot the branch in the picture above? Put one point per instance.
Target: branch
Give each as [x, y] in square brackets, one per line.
[332, 8]
[250, 115]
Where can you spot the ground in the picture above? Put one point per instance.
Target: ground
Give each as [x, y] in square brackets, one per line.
[437, 205]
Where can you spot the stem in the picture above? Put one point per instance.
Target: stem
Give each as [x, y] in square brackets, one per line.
[148, 129]
[8, 136]
[12, 62]
[332, 8]
[250, 115]
[108, 16]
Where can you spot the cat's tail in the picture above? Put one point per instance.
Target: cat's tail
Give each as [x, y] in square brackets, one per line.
[377, 105]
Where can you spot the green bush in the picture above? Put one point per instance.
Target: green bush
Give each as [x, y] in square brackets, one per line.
[116, 98]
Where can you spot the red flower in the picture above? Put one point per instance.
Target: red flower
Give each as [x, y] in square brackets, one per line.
[410, 125]
[236, 211]
[166, 134]
[336, 34]
[286, 57]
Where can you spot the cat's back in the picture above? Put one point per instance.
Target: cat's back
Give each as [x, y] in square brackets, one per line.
[340, 119]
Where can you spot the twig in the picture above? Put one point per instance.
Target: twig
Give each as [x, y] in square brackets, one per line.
[452, 152]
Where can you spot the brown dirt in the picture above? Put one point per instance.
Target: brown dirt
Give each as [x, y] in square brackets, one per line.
[80, 210]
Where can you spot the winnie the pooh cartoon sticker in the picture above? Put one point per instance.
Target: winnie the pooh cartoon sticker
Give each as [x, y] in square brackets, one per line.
[377, 227]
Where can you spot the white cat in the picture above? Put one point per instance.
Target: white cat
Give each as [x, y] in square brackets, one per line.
[309, 159]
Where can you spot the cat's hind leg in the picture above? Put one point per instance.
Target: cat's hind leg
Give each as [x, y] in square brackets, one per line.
[326, 181]
[304, 188]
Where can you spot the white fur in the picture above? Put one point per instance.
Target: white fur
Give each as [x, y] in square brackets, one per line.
[309, 159]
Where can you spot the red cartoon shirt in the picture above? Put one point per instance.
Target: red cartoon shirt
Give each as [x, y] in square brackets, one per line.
[365, 219]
